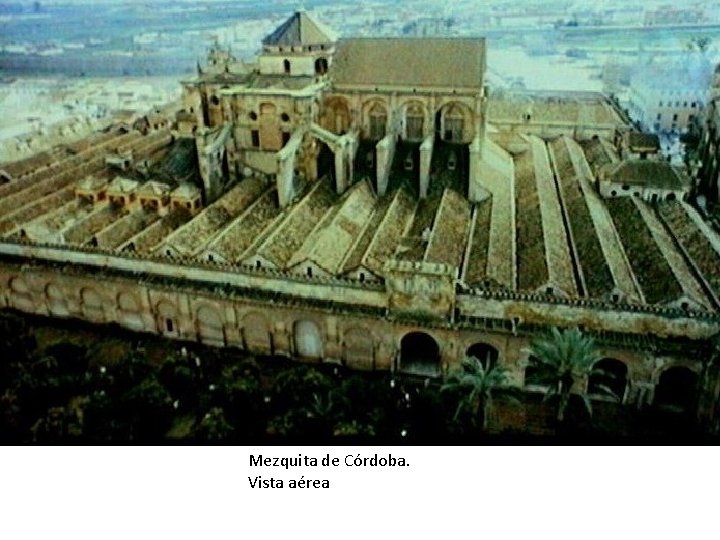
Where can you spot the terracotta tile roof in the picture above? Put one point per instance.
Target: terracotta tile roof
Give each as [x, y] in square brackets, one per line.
[476, 266]
[91, 183]
[645, 172]
[329, 248]
[497, 176]
[185, 192]
[149, 238]
[247, 228]
[35, 209]
[154, 189]
[570, 165]
[653, 272]
[122, 185]
[426, 62]
[557, 252]
[390, 231]
[125, 228]
[449, 236]
[697, 245]
[638, 141]
[357, 253]
[532, 268]
[291, 232]
[191, 238]
[692, 290]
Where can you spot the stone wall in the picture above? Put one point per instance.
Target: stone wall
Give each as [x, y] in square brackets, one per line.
[358, 337]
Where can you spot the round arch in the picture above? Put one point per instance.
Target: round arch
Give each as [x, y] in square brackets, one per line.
[308, 340]
[56, 300]
[20, 294]
[128, 311]
[210, 327]
[414, 118]
[256, 335]
[485, 353]
[609, 379]
[18, 285]
[358, 348]
[92, 304]
[375, 114]
[419, 353]
[335, 115]
[321, 66]
[677, 388]
[166, 314]
[454, 122]
[127, 301]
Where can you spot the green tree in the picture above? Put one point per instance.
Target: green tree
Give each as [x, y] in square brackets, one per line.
[475, 384]
[566, 358]
[214, 426]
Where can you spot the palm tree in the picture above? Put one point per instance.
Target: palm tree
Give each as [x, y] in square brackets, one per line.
[477, 383]
[565, 357]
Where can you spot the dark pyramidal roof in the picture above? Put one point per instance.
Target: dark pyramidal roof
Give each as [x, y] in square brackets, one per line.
[300, 29]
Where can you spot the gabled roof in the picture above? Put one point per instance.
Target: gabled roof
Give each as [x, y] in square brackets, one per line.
[122, 185]
[644, 172]
[91, 183]
[185, 191]
[154, 189]
[642, 141]
[300, 29]
[435, 62]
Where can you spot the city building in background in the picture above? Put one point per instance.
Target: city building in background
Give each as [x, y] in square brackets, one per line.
[670, 96]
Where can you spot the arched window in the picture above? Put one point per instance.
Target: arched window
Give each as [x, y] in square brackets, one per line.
[256, 333]
[167, 315]
[537, 374]
[677, 388]
[453, 124]
[210, 326]
[57, 302]
[378, 121]
[487, 354]
[414, 121]
[321, 66]
[358, 348]
[419, 354]
[335, 115]
[308, 342]
[609, 379]
[286, 66]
